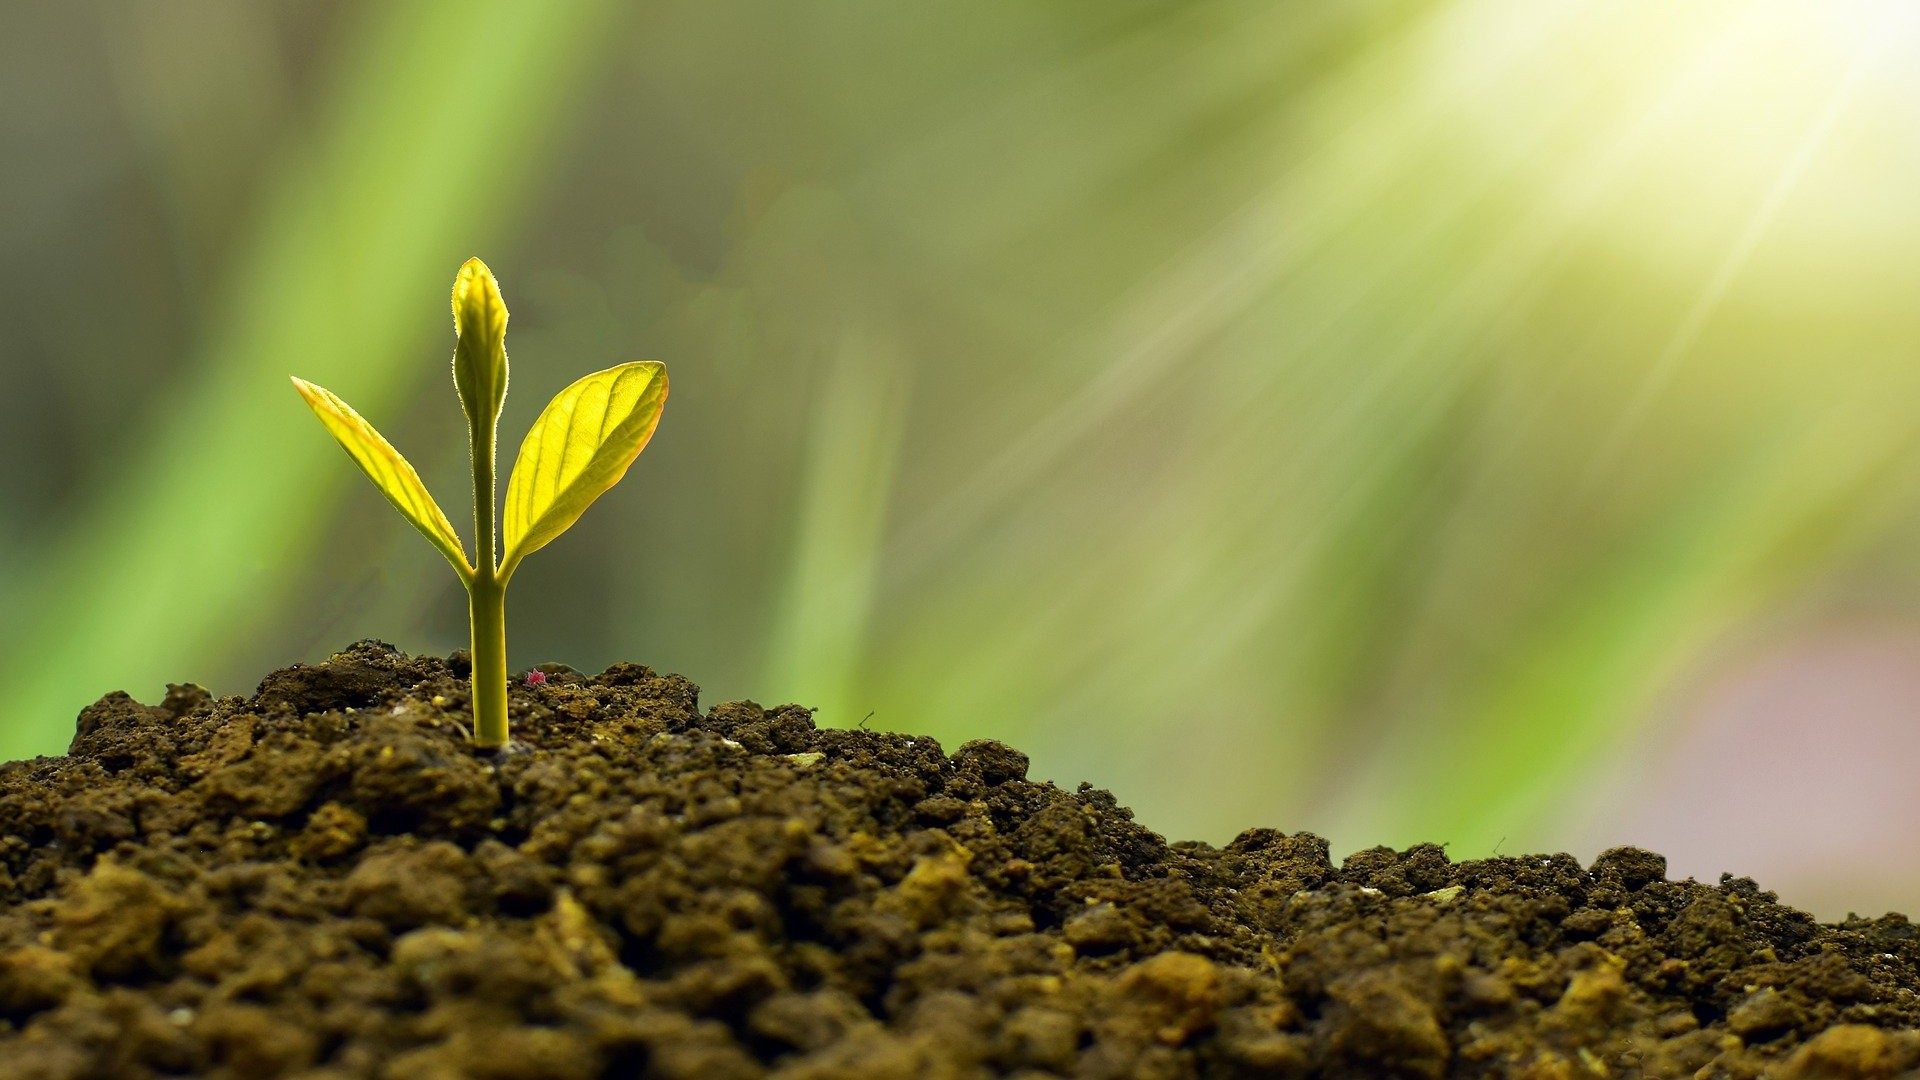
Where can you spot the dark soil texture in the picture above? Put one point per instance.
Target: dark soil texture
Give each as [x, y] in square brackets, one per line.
[324, 881]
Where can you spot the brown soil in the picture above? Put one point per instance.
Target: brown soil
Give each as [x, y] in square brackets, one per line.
[324, 881]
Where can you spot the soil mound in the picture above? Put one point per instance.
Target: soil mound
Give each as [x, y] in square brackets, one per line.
[324, 881]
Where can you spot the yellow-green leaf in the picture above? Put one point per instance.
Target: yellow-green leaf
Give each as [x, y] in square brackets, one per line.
[581, 446]
[480, 355]
[390, 472]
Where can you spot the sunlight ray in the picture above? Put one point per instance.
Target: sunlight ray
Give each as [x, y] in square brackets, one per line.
[1714, 290]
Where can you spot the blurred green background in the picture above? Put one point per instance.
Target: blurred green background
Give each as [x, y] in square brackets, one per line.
[1482, 421]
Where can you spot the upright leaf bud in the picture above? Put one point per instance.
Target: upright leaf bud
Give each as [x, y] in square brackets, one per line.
[480, 356]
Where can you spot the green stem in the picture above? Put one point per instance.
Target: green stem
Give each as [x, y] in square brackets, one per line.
[487, 611]
[487, 597]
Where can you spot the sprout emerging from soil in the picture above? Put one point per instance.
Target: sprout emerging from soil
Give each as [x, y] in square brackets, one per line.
[580, 446]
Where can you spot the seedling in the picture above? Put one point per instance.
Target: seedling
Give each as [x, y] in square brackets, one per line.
[580, 446]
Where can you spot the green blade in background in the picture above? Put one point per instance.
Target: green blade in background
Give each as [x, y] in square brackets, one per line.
[1521, 746]
[826, 619]
[437, 112]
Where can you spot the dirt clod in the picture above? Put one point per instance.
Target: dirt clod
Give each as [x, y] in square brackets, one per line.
[323, 881]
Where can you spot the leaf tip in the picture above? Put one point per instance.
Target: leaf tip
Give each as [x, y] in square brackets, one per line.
[656, 373]
[476, 300]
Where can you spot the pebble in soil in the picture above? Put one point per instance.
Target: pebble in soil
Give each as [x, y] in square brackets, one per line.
[324, 881]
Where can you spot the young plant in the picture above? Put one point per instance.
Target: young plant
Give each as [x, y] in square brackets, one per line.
[580, 446]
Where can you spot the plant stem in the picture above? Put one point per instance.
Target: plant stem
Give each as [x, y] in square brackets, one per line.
[487, 595]
[487, 613]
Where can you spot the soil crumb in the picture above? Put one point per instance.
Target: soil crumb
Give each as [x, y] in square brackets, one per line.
[325, 882]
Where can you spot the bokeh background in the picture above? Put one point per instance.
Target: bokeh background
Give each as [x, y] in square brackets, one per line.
[1494, 422]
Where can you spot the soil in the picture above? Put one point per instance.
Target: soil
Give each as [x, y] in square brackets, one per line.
[325, 881]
